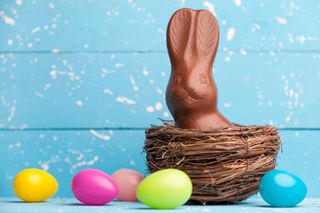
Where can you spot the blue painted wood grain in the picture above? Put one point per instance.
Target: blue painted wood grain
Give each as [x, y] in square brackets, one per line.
[81, 25]
[80, 65]
[127, 89]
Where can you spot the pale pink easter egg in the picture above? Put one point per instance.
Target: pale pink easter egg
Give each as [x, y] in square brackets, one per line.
[127, 181]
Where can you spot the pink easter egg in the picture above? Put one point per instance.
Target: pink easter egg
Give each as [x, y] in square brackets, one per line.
[127, 181]
[94, 187]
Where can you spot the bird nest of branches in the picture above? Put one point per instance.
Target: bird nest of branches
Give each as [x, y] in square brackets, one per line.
[224, 165]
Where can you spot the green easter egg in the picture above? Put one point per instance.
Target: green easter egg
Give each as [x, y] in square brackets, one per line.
[165, 189]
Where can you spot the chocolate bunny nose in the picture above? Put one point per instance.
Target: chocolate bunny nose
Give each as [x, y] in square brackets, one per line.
[192, 41]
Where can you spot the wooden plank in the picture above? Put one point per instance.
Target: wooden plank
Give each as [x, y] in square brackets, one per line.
[127, 90]
[253, 205]
[97, 25]
[63, 153]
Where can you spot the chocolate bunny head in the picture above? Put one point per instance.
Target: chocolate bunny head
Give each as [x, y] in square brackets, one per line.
[192, 41]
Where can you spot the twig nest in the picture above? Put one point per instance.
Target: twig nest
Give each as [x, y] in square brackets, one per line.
[225, 164]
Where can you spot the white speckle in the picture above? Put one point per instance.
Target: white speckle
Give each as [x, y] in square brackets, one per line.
[230, 34]
[237, 3]
[281, 20]
[39, 94]
[46, 86]
[145, 71]
[55, 138]
[158, 106]
[100, 135]
[51, 5]
[16, 145]
[7, 19]
[166, 114]
[133, 83]
[55, 73]
[271, 122]
[206, 210]
[210, 7]
[243, 52]
[227, 105]
[256, 27]
[150, 109]
[55, 51]
[119, 65]
[30, 45]
[84, 163]
[86, 46]
[18, 2]
[34, 30]
[108, 91]
[132, 163]
[44, 166]
[10, 42]
[288, 118]
[79, 103]
[126, 100]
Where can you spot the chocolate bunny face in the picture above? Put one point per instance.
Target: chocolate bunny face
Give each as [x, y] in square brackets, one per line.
[192, 41]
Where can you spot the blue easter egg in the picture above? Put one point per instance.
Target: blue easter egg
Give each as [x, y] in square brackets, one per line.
[282, 189]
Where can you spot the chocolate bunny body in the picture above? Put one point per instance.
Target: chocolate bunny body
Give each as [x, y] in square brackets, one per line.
[192, 41]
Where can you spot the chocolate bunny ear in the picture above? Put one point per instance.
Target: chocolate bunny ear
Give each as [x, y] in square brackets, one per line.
[207, 33]
[178, 32]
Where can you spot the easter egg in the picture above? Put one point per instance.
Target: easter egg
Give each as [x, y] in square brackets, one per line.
[165, 189]
[34, 185]
[94, 187]
[127, 181]
[282, 189]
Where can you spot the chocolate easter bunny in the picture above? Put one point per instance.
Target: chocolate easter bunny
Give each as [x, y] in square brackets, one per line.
[192, 41]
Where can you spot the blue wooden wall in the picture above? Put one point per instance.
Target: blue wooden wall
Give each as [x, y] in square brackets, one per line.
[81, 79]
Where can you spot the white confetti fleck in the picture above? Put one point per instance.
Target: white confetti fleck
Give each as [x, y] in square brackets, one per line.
[55, 73]
[158, 106]
[10, 42]
[18, 2]
[126, 100]
[51, 5]
[30, 45]
[150, 109]
[237, 3]
[281, 20]
[44, 166]
[145, 71]
[86, 46]
[7, 19]
[230, 34]
[133, 83]
[210, 7]
[79, 103]
[243, 52]
[108, 91]
[227, 105]
[39, 94]
[55, 51]
[166, 114]
[132, 163]
[100, 135]
[34, 30]
[119, 65]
